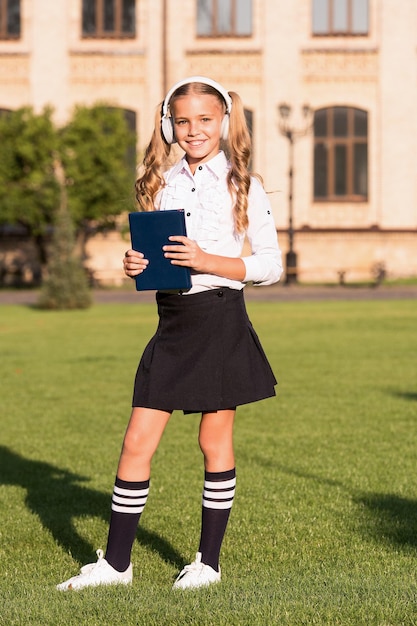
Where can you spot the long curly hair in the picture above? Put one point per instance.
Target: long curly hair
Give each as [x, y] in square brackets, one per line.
[238, 148]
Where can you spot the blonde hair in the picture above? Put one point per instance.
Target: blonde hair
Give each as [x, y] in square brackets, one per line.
[238, 148]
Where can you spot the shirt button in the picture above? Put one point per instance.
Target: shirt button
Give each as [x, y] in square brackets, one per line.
[188, 214]
[200, 167]
[220, 293]
[193, 189]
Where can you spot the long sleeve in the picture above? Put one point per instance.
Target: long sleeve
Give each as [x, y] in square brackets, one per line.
[264, 265]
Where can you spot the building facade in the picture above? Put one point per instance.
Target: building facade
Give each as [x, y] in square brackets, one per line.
[330, 89]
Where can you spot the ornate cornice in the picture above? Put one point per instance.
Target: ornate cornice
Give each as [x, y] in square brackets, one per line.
[339, 65]
[236, 66]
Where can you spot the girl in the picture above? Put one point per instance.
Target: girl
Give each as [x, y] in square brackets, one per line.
[205, 356]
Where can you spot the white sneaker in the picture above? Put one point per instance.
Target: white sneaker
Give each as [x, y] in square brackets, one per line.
[196, 574]
[99, 573]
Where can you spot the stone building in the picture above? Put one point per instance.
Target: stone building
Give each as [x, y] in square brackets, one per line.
[330, 88]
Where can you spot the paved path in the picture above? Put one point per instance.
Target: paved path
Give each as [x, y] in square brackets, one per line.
[278, 292]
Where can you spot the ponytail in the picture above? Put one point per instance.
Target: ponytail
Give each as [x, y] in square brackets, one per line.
[238, 180]
[155, 162]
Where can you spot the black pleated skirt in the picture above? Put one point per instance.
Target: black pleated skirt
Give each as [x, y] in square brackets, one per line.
[204, 356]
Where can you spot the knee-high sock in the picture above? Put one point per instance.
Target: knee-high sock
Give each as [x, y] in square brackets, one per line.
[218, 494]
[128, 502]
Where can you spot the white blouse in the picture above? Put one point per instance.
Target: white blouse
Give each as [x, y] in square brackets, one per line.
[208, 208]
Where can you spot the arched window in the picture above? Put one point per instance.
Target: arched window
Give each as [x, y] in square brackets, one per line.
[9, 19]
[108, 18]
[341, 154]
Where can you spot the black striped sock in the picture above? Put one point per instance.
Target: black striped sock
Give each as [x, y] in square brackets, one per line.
[218, 494]
[128, 502]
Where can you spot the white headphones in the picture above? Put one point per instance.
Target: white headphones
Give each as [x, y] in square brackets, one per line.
[167, 125]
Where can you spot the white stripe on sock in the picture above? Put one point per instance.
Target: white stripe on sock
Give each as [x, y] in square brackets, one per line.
[221, 484]
[219, 495]
[127, 509]
[210, 504]
[129, 501]
[138, 493]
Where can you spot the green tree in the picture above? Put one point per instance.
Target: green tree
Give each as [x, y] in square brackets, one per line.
[95, 150]
[66, 284]
[29, 191]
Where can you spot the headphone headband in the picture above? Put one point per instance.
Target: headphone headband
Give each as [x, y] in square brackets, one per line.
[197, 79]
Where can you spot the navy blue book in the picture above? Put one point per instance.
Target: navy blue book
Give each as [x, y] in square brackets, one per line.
[149, 231]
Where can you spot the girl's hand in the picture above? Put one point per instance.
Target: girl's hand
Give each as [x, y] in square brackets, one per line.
[188, 254]
[134, 263]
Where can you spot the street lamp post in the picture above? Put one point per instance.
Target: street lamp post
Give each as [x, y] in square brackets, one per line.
[292, 133]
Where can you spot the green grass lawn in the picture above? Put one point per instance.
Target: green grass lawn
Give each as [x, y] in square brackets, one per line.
[324, 525]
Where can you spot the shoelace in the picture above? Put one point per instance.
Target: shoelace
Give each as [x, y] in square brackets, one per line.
[87, 569]
[196, 566]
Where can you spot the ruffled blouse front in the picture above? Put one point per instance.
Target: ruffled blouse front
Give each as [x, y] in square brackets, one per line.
[208, 208]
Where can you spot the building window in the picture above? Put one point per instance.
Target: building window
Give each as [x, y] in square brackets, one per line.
[108, 18]
[340, 17]
[224, 18]
[9, 19]
[341, 154]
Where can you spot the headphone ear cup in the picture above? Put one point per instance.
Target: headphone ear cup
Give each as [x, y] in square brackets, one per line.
[224, 129]
[167, 129]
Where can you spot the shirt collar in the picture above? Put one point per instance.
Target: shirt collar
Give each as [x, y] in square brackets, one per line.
[217, 165]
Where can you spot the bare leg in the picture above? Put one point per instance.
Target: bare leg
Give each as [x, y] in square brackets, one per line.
[216, 440]
[143, 434]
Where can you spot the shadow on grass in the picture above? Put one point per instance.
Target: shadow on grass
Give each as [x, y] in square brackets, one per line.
[57, 498]
[395, 518]
[406, 395]
[389, 518]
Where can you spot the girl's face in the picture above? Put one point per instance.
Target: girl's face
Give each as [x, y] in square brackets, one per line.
[197, 126]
